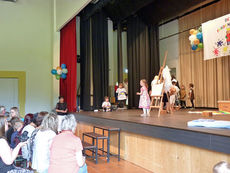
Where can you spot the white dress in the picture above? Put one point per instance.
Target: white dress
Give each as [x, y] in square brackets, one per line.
[41, 150]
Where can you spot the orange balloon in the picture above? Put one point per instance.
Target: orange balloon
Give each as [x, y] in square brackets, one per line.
[58, 68]
[196, 41]
[191, 31]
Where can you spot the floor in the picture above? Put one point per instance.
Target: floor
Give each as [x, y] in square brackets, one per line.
[114, 167]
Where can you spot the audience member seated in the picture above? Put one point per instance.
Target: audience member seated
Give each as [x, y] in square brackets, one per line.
[38, 118]
[14, 112]
[30, 120]
[222, 167]
[17, 126]
[66, 149]
[2, 110]
[8, 155]
[42, 143]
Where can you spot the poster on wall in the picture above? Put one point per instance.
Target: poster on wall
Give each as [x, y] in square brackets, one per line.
[216, 37]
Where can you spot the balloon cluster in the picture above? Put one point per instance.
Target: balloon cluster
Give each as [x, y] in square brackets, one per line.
[196, 38]
[60, 72]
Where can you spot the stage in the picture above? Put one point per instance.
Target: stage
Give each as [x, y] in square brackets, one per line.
[171, 127]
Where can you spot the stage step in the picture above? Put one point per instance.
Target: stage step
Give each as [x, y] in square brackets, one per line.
[95, 135]
[87, 146]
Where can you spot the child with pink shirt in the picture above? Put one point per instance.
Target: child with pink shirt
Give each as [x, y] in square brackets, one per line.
[144, 102]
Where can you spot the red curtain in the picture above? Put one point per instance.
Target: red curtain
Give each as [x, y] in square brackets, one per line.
[68, 56]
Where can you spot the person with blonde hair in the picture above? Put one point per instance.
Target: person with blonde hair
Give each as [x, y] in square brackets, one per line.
[221, 167]
[66, 149]
[42, 143]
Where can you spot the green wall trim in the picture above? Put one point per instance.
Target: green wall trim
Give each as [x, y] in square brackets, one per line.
[21, 76]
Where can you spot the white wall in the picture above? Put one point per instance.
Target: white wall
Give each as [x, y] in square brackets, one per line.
[67, 9]
[26, 44]
[171, 44]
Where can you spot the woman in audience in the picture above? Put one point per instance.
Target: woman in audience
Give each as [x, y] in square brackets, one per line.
[66, 149]
[43, 140]
[7, 155]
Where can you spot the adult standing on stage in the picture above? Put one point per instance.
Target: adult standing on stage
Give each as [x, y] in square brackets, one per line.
[61, 109]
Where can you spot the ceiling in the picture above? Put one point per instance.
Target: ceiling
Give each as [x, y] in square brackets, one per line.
[151, 11]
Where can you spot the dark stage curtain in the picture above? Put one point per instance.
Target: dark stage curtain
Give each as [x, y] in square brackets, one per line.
[143, 56]
[100, 58]
[68, 55]
[85, 50]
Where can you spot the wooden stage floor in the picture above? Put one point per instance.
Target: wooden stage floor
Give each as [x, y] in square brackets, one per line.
[177, 120]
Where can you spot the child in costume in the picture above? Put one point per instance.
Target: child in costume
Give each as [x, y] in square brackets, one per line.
[106, 105]
[191, 94]
[121, 95]
[173, 93]
[183, 96]
[144, 102]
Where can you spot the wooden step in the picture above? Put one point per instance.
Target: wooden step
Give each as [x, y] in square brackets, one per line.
[95, 135]
[87, 145]
[107, 128]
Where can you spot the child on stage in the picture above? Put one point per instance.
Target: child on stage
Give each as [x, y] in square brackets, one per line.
[173, 93]
[106, 105]
[191, 95]
[183, 96]
[144, 102]
[121, 91]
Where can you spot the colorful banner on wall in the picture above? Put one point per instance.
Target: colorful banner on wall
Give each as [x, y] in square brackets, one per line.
[216, 37]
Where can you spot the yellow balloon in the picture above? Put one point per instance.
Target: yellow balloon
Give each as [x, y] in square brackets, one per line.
[195, 32]
[191, 31]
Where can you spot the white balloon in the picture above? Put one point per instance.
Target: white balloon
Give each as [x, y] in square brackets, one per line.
[192, 37]
[59, 72]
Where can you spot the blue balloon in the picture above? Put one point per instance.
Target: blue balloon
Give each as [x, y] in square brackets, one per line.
[201, 40]
[194, 47]
[199, 35]
[63, 66]
[54, 71]
[63, 76]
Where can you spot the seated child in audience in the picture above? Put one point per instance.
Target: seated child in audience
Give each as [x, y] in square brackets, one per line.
[173, 93]
[17, 125]
[183, 96]
[221, 167]
[191, 94]
[121, 91]
[106, 105]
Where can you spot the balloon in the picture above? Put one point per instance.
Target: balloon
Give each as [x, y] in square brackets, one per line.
[200, 45]
[195, 32]
[194, 47]
[63, 76]
[63, 66]
[199, 35]
[65, 71]
[196, 41]
[58, 77]
[192, 37]
[58, 68]
[59, 71]
[53, 71]
[191, 31]
[200, 29]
